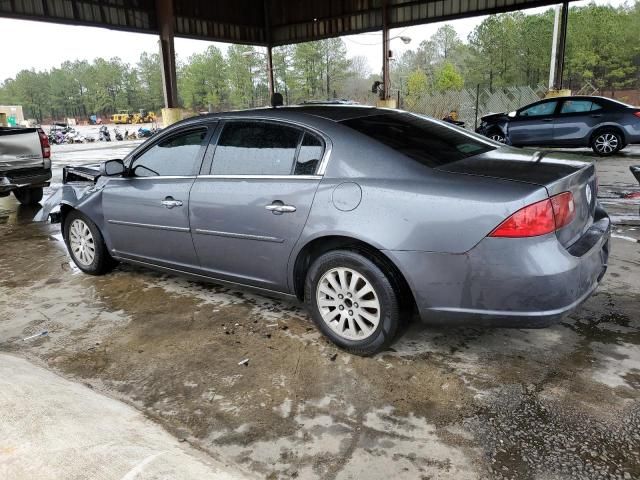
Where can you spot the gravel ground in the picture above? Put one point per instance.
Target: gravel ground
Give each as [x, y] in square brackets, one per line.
[468, 403]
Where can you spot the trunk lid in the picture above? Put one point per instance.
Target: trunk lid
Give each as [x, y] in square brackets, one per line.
[558, 173]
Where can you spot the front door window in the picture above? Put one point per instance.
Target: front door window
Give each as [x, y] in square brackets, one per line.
[178, 155]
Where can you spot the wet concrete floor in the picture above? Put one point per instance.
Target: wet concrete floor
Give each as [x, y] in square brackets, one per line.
[556, 403]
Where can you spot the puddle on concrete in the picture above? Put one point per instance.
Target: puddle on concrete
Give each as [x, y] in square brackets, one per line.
[618, 366]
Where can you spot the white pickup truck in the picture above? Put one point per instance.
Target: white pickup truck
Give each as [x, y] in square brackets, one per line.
[25, 163]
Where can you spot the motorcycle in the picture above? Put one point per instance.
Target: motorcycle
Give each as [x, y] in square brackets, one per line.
[74, 137]
[103, 134]
[118, 134]
[145, 132]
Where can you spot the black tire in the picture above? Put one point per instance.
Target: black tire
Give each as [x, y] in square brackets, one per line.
[28, 196]
[606, 142]
[102, 261]
[497, 136]
[389, 321]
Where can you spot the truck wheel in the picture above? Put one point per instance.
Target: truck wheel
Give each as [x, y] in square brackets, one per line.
[86, 245]
[28, 196]
[352, 302]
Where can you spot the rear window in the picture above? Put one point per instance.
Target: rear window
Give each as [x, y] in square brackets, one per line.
[423, 140]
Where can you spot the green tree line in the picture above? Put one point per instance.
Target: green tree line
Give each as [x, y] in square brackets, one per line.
[211, 81]
[603, 48]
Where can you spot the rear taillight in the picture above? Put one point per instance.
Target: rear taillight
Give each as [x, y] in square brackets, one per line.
[563, 209]
[44, 144]
[637, 113]
[540, 218]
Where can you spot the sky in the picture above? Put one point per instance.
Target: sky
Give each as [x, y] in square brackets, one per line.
[43, 46]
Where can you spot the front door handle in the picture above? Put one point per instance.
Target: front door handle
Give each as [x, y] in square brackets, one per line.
[277, 207]
[170, 202]
[547, 119]
[596, 115]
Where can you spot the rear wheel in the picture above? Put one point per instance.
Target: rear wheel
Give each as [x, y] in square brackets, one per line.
[606, 142]
[28, 196]
[86, 245]
[352, 301]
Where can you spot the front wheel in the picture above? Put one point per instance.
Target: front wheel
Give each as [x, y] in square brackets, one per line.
[86, 245]
[28, 196]
[352, 301]
[606, 142]
[497, 136]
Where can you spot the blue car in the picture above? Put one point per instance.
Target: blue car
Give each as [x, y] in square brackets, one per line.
[603, 124]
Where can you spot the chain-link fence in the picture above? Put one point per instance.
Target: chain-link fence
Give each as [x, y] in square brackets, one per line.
[471, 104]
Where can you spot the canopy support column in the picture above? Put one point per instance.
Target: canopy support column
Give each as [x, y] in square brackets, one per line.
[385, 97]
[166, 19]
[270, 72]
[558, 49]
[385, 52]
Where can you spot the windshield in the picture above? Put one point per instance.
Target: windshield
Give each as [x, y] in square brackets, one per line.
[429, 142]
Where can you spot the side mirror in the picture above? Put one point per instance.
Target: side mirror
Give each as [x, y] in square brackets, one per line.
[111, 168]
[512, 114]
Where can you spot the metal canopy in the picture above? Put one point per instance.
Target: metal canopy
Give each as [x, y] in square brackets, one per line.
[257, 22]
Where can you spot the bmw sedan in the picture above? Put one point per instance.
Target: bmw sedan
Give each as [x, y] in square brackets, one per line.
[366, 215]
[603, 124]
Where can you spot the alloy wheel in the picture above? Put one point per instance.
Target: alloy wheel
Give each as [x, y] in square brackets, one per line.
[81, 242]
[498, 138]
[348, 303]
[606, 143]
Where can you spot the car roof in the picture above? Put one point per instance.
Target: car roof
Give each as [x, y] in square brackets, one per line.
[581, 97]
[335, 113]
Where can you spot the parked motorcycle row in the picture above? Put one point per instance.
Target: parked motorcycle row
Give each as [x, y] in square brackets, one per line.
[68, 135]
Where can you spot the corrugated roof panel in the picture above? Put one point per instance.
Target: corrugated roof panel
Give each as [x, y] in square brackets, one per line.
[244, 21]
[135, 15]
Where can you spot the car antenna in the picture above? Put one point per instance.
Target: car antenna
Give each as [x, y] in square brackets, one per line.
[277, 100]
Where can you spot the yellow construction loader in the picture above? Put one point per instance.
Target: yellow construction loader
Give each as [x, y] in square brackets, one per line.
[123, 116]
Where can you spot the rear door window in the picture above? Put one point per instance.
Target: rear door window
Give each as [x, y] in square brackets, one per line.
[309, 156]
[426, 141]
[266, 148]
[255, 148]
[539, 110]
[578, 106]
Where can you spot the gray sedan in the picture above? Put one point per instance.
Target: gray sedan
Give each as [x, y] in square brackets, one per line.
[364, 214]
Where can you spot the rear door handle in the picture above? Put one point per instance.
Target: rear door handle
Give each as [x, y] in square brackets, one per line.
[547, 119]
[596, 115]
[170, 202]
[278, 208]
